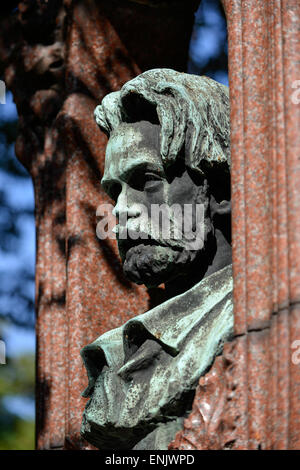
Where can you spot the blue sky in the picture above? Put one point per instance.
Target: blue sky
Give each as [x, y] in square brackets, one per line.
[208, 38]
[19, 194]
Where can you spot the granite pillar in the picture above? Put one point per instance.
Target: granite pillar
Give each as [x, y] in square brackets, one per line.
[250, 397]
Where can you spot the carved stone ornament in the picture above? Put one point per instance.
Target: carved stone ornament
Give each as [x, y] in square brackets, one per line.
[169, 147]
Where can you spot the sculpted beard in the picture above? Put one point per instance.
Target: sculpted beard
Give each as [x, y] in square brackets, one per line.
[156, 260]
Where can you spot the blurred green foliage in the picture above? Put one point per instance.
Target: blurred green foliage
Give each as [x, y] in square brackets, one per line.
[16, 379]
[19, 436]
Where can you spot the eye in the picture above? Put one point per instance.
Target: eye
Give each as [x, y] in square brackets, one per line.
[152, 182]
[142, 180]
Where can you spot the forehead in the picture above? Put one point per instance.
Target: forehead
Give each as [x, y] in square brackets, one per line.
[132, 145]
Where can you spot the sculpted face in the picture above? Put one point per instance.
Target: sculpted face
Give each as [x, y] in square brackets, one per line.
[44, 58]
[135, 178]
[143, 375]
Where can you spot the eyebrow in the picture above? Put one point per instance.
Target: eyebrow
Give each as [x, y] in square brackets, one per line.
[146, 165]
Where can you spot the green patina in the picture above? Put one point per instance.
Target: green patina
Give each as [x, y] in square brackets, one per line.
[169, 144]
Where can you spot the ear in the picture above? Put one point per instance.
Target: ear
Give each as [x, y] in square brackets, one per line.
[222, 208]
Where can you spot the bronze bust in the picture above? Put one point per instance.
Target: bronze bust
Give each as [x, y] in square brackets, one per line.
[168, 149]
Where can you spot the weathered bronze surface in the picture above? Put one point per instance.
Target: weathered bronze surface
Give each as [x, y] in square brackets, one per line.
[169, 143]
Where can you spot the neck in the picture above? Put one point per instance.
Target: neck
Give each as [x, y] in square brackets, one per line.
[223, 256]
[219, 256]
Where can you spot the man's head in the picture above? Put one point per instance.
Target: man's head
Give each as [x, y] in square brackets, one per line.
[168, 150]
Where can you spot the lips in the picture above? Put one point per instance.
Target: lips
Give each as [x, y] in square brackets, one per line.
[132, 240]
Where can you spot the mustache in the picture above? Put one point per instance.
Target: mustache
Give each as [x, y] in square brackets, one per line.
[129, 238]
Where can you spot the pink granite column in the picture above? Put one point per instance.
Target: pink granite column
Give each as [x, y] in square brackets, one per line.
[250, 399]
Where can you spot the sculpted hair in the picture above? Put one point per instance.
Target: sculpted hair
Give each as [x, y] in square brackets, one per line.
[193, 113]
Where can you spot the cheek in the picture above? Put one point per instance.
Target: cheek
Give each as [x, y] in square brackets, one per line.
[182, 190]
[156, 195]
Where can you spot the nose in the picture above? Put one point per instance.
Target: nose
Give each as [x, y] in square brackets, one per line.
[56, 57]
[126, 205]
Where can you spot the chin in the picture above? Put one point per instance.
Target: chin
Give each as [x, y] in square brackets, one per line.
[153, 265]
